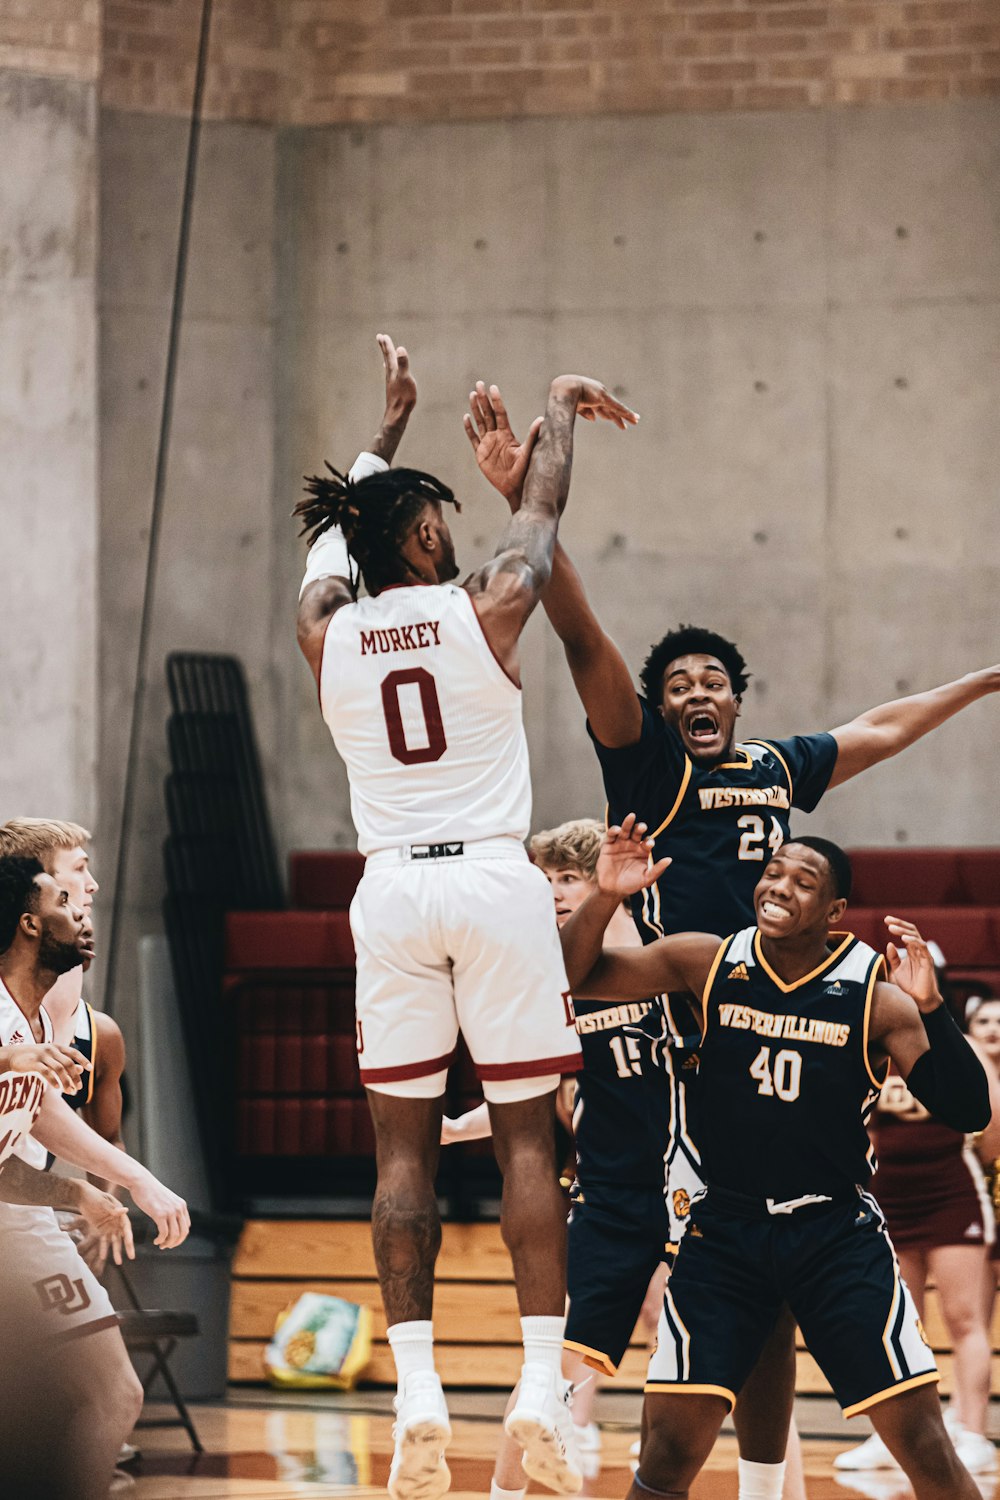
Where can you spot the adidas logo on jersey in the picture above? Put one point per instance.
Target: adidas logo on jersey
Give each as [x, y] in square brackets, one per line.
[740, 972]
[17, 1037]
[836, 988]
[974, 1232]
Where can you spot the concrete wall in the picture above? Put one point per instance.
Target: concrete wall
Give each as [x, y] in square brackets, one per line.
[48, 445]
[788, 302]
[806, 311]
[215, 576]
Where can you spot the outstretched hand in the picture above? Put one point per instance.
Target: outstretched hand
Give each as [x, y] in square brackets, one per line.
[624, 865]
[595, 400]
[912, 969]
[104, 1223]
[400, 386]
[501, 458]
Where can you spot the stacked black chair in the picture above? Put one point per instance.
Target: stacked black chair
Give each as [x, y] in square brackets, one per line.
[220, 856]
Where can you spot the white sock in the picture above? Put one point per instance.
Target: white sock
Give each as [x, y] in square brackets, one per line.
[412, 1347]
[761, 1481]
[543, 1342]
[496, 1493]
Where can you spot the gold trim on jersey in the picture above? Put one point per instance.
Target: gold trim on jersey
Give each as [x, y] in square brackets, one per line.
[692, 1390]
[784, 764]
[831, 958]
[706, 992]
[93, 1055]
[671, 815]
[932, 1376]
[592, 1357]
[873, 977]
[746, 764]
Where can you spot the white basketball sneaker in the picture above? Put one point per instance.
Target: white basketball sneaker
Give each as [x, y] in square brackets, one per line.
[588, 1445]
[871, 1454]
[976, 1452]
[422, 1432]
[542, 1423]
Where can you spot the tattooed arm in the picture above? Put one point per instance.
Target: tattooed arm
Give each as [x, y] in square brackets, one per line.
[507, 589]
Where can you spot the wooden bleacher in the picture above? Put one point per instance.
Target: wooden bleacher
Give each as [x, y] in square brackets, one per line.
[475, 1313]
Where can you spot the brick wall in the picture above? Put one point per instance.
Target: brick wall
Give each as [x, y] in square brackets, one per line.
[461, 59]
[54, 38]
[332, 61]
[150, 47]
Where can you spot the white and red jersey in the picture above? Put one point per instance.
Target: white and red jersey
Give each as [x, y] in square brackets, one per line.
[21, 1094]
[426, 719]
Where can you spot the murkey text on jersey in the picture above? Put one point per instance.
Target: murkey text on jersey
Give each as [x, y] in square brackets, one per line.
[401, 638]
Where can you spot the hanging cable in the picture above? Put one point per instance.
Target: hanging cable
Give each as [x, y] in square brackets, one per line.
[156, 517]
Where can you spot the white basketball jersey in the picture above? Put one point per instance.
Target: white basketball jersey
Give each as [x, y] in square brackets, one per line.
[21, 1094]
[426, 720]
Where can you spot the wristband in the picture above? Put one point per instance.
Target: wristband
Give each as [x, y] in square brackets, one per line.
[365, 465]
[328, 558]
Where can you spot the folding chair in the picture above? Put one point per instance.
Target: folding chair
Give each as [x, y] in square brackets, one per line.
[157, 1334]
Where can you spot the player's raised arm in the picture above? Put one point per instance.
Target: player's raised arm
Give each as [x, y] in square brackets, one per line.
[681, 962]
[508, 588]
[599, 670]
[886, 730]
[328, 577]
[911, 1024]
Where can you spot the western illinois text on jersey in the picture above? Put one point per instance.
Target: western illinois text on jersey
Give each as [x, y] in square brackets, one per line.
[742, 796]
[788, 1027]
[401, 638]
[616, 1015]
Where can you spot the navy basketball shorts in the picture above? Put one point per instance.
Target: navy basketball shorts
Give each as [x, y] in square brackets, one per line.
[836, 1269]
[617, 1238]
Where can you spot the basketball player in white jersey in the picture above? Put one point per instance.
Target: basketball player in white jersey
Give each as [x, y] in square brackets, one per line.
[61, 849]
[42, 934]
[419, 685]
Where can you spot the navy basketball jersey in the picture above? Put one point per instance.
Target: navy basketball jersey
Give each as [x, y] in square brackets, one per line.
[785, 1087]
[85, 1041]
[624, 1105]
[718, 824]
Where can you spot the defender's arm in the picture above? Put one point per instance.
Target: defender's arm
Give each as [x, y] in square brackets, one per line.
[911, 1025]
[886, 730]
[507, 589]
[681, 962]
[599, 671]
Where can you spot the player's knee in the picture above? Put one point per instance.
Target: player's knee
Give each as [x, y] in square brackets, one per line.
[929, 1453]
[128, 1399]
[965, 1318]
[669, 1455]
[108, 1392]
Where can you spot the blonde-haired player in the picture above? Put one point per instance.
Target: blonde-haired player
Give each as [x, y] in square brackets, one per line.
[419, 686]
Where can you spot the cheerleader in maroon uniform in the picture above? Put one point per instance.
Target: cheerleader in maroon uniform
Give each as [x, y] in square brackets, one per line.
[932, 1189]
[983, 1026]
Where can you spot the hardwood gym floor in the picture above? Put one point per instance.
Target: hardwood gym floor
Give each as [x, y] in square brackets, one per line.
[277, 1448]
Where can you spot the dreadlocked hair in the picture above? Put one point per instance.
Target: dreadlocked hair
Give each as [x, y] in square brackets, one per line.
[374, 515]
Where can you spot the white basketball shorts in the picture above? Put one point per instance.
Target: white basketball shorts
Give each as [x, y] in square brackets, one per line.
[464, 942]
[42, 1268]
